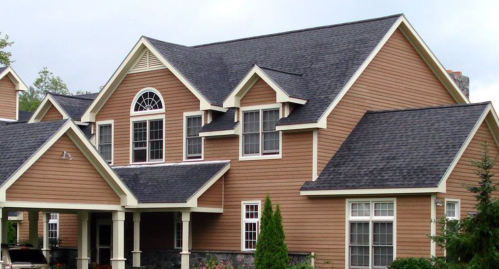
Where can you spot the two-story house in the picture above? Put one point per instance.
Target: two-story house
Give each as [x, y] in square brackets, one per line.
[355, 129]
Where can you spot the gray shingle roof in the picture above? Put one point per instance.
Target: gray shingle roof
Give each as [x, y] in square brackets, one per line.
[410, 148]
[222, 122]
[2, 68]
[324, 57]
[75, 105]
[14, 152]
[24, 116]
[168, 183]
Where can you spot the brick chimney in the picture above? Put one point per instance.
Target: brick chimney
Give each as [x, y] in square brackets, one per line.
[463, 82]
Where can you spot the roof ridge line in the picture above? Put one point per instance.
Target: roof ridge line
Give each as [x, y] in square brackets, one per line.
[280, 71]
[74, 96]
[425, 108]
[300, 30]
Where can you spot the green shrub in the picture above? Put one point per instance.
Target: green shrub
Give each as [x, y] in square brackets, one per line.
[412, 263]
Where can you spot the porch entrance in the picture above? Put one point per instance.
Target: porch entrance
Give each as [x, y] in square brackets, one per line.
[104, 244]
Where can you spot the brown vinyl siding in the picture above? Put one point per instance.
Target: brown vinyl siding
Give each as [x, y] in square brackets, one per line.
[464, 174]
[213, 197]
[8, 99]
[178, 99]
[52, 114]
[396, 78]
[68, 229]
[259, 94]
[52, 178]
[413, 226]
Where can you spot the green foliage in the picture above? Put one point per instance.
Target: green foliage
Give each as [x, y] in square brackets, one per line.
[11, 233]
[80, 92]
[29, 100]
[47, 82]
[307, 264]
[263, 253]
[281, 258]
[5, 57]
[213, 263]
[411, 263]
[474, 241]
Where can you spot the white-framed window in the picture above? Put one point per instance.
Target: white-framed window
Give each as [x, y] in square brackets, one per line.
[452, 209]
[371, 233]
[193, 143]
[251, 214]
[54, 226]
[147, 101]
[259, 138]
[178, 227]
[105, 136]
[147, 139]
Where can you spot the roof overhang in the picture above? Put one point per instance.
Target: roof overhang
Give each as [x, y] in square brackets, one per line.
[234, 99]
[122, 71]
[222, 133]
[77, 136]
[9, 72]
[417, 42]
[351, 192]
[44, 106]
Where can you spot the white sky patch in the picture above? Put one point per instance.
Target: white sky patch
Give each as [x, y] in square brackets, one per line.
[482, 92]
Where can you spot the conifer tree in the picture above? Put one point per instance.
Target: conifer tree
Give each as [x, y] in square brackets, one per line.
[281, 250]
[264, 245]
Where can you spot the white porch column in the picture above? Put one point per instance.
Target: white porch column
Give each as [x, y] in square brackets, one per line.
[185, 254]
[118, 259]
[46, 245]
[2, 216]
[33, 228]
[136, 239]
[82, 260]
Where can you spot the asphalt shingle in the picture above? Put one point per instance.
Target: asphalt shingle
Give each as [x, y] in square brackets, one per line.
[14, 152]
[76, 105]
[324, 58]
[168, 183]
[222, 122]
[410, 148]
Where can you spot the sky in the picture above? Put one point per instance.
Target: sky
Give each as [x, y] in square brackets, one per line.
[84, 42]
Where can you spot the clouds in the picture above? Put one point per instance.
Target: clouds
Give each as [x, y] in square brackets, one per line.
[83, 42]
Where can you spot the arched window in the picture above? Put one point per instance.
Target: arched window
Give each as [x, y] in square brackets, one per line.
[147, 101]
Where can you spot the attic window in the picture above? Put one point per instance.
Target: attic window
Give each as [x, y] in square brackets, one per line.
[147, 101]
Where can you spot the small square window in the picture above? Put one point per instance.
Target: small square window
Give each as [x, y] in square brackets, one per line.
[452, 210]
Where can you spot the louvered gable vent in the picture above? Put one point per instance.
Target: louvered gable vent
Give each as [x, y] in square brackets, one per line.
[147, 62]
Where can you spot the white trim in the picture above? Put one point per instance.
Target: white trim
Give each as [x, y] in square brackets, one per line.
[442, 185]
[433, 225]
[147, 112]
[122, 71]
[232, 132]
[169, 164]
[17, 106]
[59, 206]
[184, 136]
[304, 127]
[260, 156]
[97, 131]
[368, 191]
[44, 107]
[147, 118]
[20, 86]
[207, 185]
[315, 150]
[243, 210]
[7, 120]
[458, 208]
[89, 151]
[234, 99]
[370, 219]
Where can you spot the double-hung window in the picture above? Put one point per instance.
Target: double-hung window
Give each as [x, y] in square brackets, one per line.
[250, 225]
[371, 233]
[105, 140]
[193, 142]
[147, 140]
[53, 226]
[260, 136]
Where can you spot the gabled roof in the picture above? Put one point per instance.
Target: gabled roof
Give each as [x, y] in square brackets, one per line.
[397, 149]
[18, 155]
[9, 71]
[222, 122]
[178, 183]
[70, 106]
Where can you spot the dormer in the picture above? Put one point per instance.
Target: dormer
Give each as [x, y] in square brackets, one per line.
[10, 86]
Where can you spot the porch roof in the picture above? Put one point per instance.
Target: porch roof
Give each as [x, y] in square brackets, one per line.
[170, 183]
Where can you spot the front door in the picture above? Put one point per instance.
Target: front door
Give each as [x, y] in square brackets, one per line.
[104, 245]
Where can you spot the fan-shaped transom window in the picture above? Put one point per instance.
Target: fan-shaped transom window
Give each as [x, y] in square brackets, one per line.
[147, 101]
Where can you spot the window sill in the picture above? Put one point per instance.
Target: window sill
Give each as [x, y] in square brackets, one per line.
[145, 163]
[261, 157]
[193, 160]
